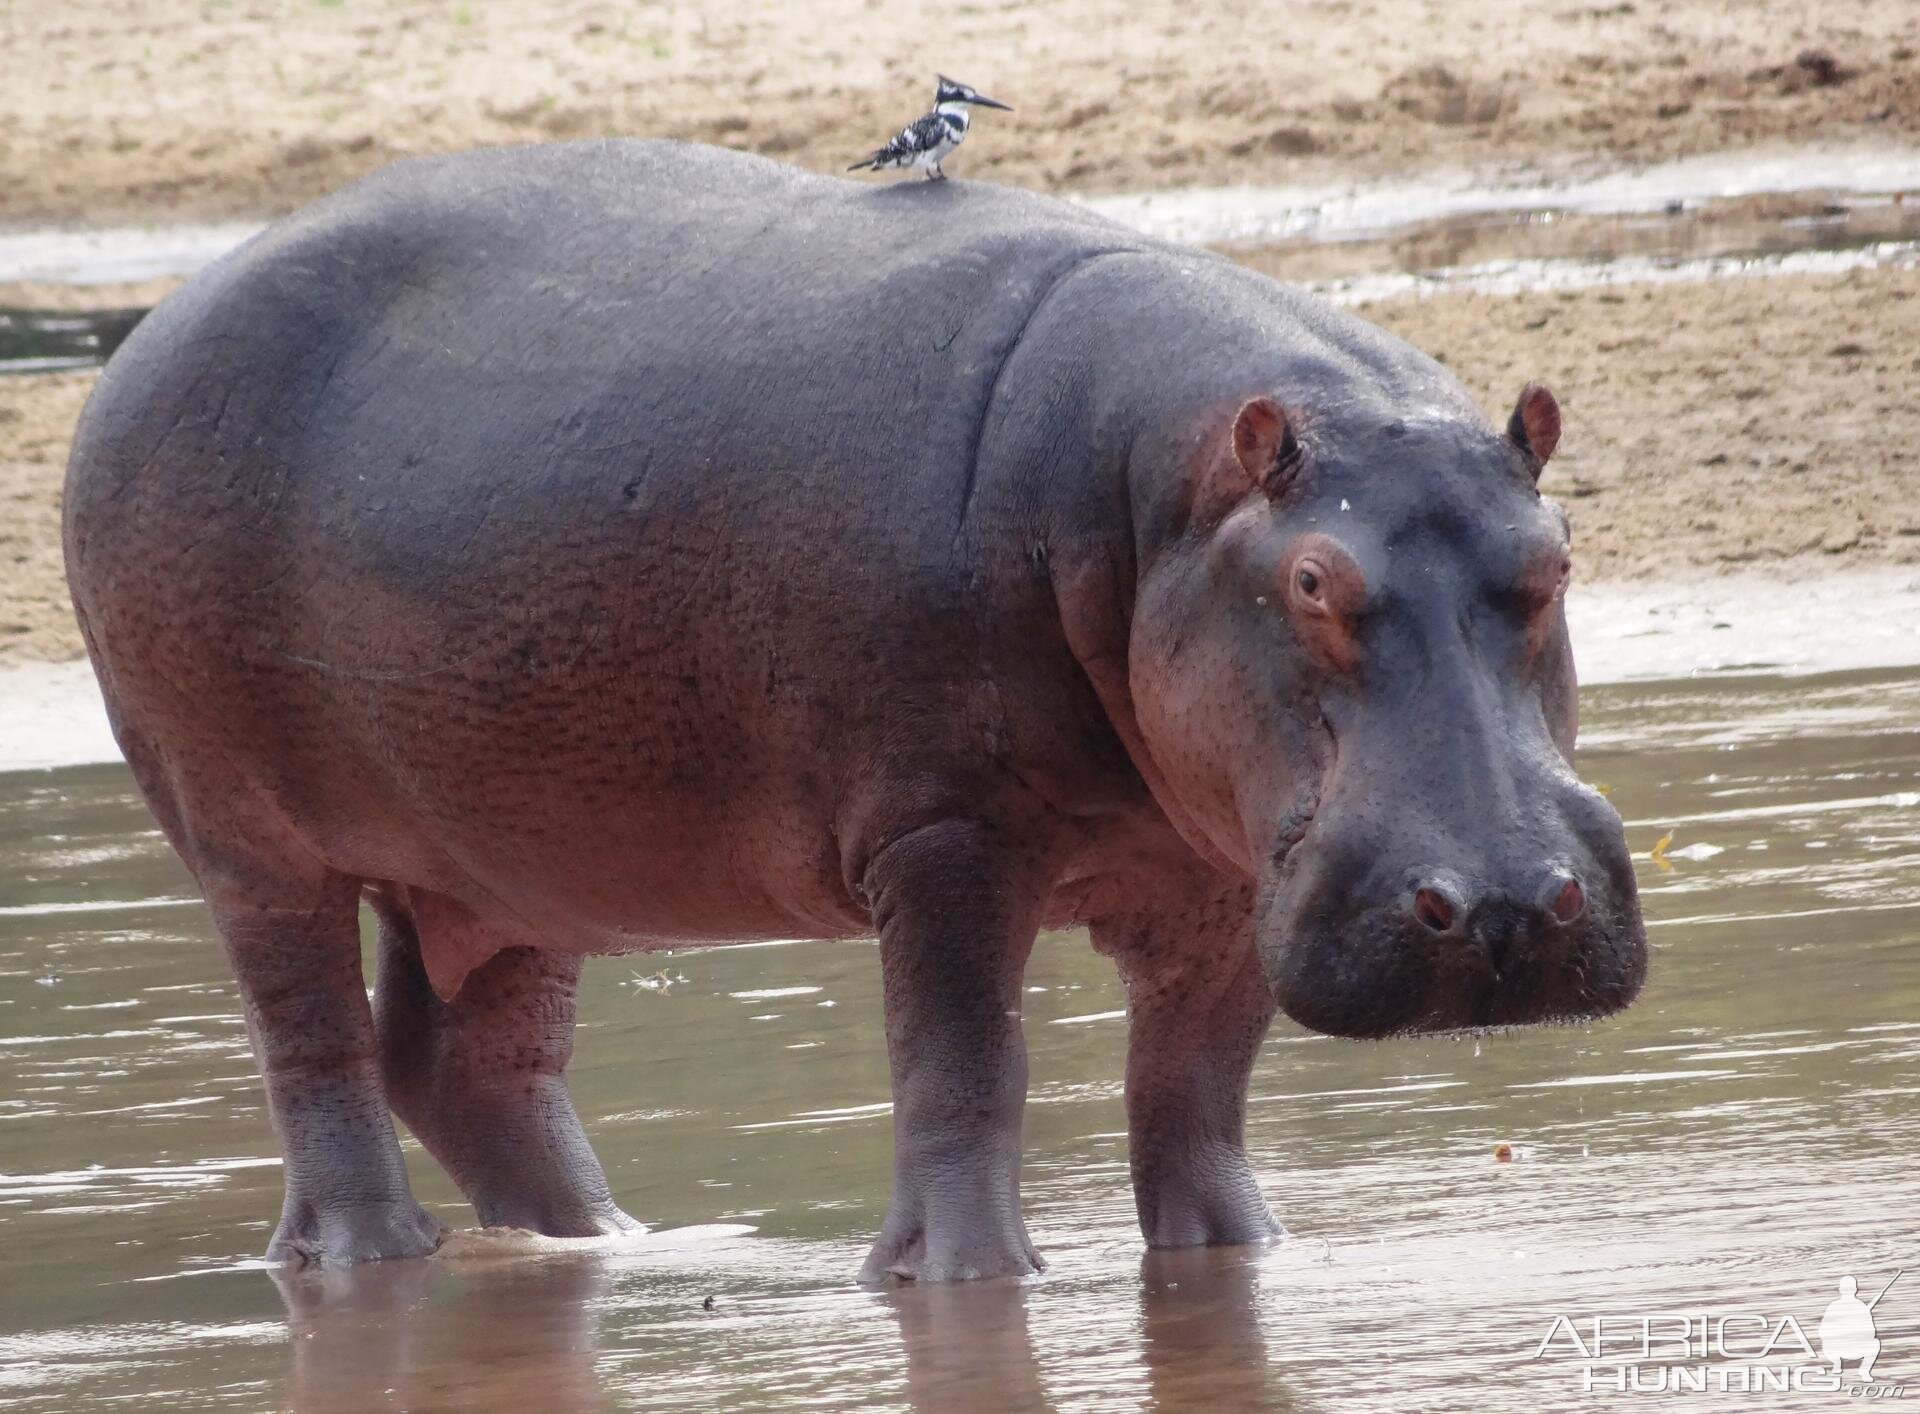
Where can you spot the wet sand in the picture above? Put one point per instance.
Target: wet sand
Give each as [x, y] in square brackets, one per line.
[1741, 422]
[37, 414]
[178, 108]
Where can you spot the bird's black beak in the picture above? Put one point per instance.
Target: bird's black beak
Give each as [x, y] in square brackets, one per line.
[978, 101]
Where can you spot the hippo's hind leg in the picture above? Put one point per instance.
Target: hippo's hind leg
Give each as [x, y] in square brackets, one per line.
[347, 1197]
[291, 927]
[481, 1080]
[957, 910]
[1198, 1005]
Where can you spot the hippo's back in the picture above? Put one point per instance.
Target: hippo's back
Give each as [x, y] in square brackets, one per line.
[521, 361]
[584, 296]
[607, 465]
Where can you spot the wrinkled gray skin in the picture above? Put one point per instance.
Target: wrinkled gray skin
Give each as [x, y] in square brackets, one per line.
[626, 545]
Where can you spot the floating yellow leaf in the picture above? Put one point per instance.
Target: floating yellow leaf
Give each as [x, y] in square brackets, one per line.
[1659, 852]
[1602, 787]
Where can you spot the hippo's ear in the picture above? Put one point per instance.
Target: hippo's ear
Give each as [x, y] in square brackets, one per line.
[1264, 443]
[1535, 425]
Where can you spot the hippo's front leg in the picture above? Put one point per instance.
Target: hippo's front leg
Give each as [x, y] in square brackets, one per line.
[957, 906]
[1198, 1005]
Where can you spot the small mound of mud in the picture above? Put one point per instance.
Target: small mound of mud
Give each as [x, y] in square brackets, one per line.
[498, 1244]
[1438, 95]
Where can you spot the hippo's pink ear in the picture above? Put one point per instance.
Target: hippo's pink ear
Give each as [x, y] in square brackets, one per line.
[1535, 424]
[1264, 443]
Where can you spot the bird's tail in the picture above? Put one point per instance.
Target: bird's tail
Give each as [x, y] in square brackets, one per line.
[870, 163]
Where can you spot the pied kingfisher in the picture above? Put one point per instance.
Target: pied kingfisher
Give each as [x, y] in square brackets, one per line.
[924, 142]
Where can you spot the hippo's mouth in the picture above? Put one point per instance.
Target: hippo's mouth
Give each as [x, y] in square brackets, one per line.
[1284, 853]
[1376, 972]
[1361, 933]
[1305, 805]
[1293, 829]
[1371, 976]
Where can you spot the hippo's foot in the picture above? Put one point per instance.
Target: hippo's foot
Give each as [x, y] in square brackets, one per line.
[573, 1213]
[481, 1081]
[987, 1242]
[338, 1238]
[1215, 1203]
[518, 1153]
[914, 1254]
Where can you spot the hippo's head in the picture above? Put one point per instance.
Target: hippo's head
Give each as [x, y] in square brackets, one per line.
[1350, 670]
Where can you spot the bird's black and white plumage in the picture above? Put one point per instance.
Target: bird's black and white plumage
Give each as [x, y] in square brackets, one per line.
[927, 140]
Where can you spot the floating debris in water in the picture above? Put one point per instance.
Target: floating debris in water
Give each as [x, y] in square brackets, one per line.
[1700, 850]
[50, 980]
[1658, 854]
[652, 982]
[1503, 1152]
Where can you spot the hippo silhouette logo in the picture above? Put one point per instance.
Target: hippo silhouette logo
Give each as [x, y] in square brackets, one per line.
[1847, 1330]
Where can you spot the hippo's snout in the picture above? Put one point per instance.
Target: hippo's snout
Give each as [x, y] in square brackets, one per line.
[1440, 903]
[1538, 924]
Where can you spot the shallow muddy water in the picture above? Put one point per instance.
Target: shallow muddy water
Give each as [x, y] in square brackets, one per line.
[41, 341]
[1737, 1142]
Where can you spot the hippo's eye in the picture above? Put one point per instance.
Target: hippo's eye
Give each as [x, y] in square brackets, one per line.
[1311, 584]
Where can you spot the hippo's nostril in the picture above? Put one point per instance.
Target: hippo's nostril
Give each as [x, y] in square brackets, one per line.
[1563, 897]
[1433, 907]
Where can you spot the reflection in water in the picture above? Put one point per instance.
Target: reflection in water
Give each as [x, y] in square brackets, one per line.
[42, 341]
[1740, 1139]
[1200, 1337]
[522, 1333]
[1198, 1341]
[967, 1347]
[519, 1335]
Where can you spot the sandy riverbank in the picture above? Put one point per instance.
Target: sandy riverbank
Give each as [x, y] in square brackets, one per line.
[164, 109]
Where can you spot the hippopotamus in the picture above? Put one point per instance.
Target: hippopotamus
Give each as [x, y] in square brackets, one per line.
[627, 545]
